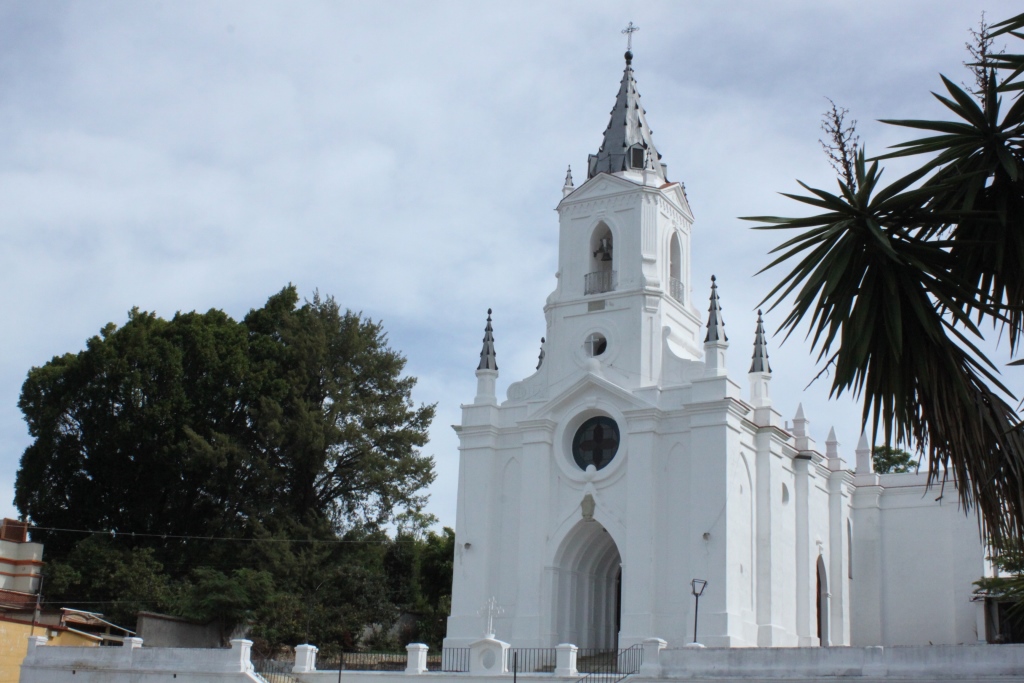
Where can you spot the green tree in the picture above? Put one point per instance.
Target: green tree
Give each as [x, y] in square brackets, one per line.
[436, 567]
[100, 573]
[895, 282]
[890, 460]
[1006, 587]
[292, 431]
[297, 418]
[228, 599]
[334, 417]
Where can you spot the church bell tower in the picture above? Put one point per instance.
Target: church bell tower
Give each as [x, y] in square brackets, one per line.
[629, 463]
[624, 257]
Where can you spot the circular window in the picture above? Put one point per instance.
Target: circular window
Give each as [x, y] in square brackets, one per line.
[595, 345]
[596, 442]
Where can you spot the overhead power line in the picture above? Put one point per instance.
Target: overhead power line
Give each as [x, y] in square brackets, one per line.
[113, 533]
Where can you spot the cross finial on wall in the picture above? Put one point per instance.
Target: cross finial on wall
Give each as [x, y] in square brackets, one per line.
[491, 610]
[629, 31]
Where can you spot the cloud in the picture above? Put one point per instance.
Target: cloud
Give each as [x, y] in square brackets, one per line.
[406, 157]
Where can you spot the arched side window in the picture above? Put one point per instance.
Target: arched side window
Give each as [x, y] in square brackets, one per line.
[824, 613]
[601, 277]
[637, 157]
[849, 549]
[675, 279]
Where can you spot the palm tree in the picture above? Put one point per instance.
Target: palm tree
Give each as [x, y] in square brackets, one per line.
[894, 282]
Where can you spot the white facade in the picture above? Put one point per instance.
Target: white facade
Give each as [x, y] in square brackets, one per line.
[133, 663]
[706, 481]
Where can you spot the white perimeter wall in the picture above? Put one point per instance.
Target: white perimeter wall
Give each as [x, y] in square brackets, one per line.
[1004, 663]
[913, 575]
[134, 664]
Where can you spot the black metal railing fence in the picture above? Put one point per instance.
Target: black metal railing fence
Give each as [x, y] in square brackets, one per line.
[609, 666]
[453, 660]
[600, 665]
[590, 659]
[363, 661]
[450, 659]
[274, 670]
[532, 659]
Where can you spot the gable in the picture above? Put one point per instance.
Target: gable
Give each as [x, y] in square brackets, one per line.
[675, 194]
[600, 185]
[591, 391]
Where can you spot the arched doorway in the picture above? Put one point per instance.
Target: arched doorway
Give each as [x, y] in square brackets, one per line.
[823, 596]
[588, 588]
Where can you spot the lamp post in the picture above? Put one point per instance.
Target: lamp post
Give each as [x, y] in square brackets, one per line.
[697, 587]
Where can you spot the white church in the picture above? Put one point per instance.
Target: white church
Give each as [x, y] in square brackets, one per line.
[632, 462]
[629, 465]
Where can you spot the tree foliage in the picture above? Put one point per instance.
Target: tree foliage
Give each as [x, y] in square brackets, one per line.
[895, 282]
[887, 460]
[240, 470]
[1006, 589]
[295, 420]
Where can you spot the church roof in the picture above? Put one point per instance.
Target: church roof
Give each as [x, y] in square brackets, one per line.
[626, 130]
[760, 357]
[488, 356]
[716, 326]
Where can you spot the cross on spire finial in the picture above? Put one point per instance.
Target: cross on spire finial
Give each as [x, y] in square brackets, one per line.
[629, 31]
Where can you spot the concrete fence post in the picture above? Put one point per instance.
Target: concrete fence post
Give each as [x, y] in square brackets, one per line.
[305, 659]
[128, 648]
[652, 657]
[240, 652]
[33, 643]
[565, 660]
[416, 658]
[874, 662]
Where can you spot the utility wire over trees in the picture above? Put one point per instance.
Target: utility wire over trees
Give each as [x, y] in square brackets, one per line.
[294, 424]
[895, 283]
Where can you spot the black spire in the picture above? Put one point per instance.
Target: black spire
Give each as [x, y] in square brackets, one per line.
[487, 354]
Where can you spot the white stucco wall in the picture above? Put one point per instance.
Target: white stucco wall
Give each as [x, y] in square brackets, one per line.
[915, 561]
[134, 664]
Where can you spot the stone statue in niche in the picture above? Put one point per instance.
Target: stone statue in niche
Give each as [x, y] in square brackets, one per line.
[587, 507]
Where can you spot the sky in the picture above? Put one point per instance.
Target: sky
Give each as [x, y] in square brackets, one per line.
[406, 158]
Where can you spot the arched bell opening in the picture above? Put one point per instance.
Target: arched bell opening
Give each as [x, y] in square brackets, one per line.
[601, 277]
[588, 588]
[675, 267]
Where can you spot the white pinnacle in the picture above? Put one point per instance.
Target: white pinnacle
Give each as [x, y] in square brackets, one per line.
[568, 187]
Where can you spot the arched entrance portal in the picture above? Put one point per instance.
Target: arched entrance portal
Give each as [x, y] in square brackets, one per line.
[588, 588]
